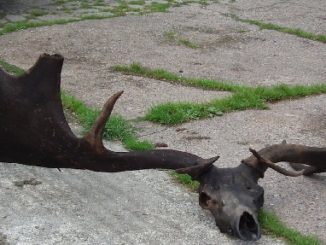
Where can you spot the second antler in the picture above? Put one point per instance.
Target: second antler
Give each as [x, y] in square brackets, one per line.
[314, 157]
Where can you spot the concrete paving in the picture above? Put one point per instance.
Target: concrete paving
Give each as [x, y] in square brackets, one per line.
[147, 207]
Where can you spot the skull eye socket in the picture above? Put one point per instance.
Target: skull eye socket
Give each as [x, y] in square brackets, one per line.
[204, 199]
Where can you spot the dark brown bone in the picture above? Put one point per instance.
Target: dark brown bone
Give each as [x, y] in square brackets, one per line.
[34, 131]
[315, 157]
[233, 195]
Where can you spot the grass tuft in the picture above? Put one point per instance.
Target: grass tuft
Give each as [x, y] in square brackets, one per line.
[117, 128]
[137, 2]
[157, 7]
[269, 221]
[12, 69]
[160, 74]
[37, 13]
[293, 31]
[271, 224]
[243, 97]
[186, 180]
[174, 37]
[23, 25]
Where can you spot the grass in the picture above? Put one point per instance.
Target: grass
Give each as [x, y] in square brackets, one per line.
[185, 180]
[85, 5]
[270, 26]
[60, 2]
[23, 25]
[242, 98]
[293, 31]
[99, 3]
[37, 12]
[115, 11]
[157, 7]
[174, 37]
[160, 74]
[12, 69]
[271, 224]
[117, 128]
[137, 2]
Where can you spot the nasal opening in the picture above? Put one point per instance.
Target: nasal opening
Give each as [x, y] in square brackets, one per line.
[248, 227]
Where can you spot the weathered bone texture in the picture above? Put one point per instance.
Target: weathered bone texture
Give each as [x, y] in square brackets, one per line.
[34, 131]
[315, 157]
[233, 195]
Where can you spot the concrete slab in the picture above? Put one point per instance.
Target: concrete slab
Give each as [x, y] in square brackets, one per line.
[81, 207]
[309, 16]
[229, 50]
[146, 207]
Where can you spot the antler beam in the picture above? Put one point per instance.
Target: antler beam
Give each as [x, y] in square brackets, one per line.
[34, 131]
[315, 157]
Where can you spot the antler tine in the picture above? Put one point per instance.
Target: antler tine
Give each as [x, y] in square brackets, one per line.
[272, 165]
[94, 136]
[196, 170]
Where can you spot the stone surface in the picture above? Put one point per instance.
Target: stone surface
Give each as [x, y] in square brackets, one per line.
[147, 207]
[15, 18]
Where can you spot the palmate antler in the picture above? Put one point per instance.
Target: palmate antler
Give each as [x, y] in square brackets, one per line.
[34, 131]
[315, 157]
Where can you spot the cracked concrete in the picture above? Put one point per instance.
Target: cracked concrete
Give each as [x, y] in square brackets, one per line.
[309, 16]
[81, 207]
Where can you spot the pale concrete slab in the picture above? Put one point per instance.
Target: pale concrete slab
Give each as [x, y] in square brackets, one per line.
[307, 15]
[229, 50]
[76, 207]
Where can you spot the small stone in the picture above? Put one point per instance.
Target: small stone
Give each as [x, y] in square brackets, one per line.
[160, 144]
[180, 129]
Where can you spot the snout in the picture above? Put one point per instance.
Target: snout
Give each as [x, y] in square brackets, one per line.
[246, 226]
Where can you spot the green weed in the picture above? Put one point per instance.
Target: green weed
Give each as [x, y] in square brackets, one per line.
[293, 31]
[174, 37]
[12, 69]
[37, 12]
[271, 224]
[243, 97]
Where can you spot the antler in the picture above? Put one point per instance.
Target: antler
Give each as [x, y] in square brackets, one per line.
[34, 131]
[271, 165]
[95, 136]
[315, 157]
